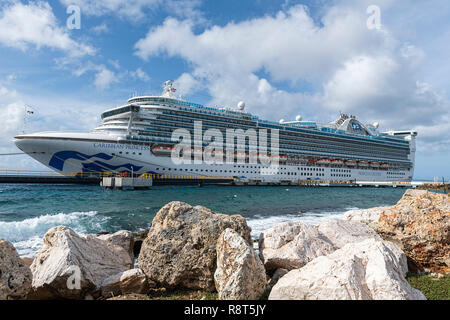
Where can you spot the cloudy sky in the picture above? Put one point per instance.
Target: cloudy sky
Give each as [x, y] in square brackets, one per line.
[282, 57]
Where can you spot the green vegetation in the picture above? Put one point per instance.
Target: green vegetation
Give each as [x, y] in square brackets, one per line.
[433, 287]
[182, 295]
[162, 294]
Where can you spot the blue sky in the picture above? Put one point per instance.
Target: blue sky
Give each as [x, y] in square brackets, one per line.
[284, 58]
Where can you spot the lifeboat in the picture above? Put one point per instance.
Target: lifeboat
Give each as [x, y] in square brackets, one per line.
[283, 157]
[384, 165]
[337, 162]
[162, 150]
[375, 164]
[363, 164]
[324, 161]
[350, 163]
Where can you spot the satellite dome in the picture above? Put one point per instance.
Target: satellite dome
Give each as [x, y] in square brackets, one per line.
[241, 105]
[298, 118]
[376, 125]
[281, 121]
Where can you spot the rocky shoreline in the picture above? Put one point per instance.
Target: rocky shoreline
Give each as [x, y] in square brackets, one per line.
[366, 255]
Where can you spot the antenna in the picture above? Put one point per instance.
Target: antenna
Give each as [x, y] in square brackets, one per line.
[26, 113]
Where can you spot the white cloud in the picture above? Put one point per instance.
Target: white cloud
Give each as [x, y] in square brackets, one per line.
[140, 74]
[289, 45]
[370, 73]
[101, 28]
[105, 78]
[12, 109]
[186, 84]
[136, 10]
[121, 7]
[22, 26]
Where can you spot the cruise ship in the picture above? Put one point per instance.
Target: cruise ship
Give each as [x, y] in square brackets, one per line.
[138, 138]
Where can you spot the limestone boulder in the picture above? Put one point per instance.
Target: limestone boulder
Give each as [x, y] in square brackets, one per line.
[122, 238]
[368, 216]
[71, 266]
[15, 276]
[366, 270]
[180, 248]
[420, 224]
[291, 245]
[127, 282]
[341, 232]
[240, 274]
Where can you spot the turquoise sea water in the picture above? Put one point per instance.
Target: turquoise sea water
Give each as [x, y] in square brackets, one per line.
[28, 211]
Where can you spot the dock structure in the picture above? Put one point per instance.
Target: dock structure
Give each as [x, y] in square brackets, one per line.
[113, 180]
[123, 183]
[44, 177]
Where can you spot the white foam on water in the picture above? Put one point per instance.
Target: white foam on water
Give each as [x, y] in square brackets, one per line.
[26, 235]
[259, 223]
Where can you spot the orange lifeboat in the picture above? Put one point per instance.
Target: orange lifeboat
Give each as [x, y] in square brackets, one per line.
[162, 150]
[324, 162]
[375, 164]
[350, 163]
[384, 165]
[363, 164]
[337, 162]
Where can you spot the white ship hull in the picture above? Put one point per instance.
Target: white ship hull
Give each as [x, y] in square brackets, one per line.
[94, 154]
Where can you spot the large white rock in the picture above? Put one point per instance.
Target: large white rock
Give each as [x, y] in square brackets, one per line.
[368, 216]
[122, 238]
[367, 270]
[70, 265]
[291, 245]
[341, 232]
[240, 274]
[15, 276]
[127, 282]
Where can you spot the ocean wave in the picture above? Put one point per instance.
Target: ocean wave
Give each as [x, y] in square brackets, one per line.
[19, 231]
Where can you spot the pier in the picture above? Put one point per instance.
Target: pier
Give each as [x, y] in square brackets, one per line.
[107, 179]
[43, 177]
[145, 181]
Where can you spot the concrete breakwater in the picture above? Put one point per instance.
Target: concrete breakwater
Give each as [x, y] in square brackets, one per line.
[365, 255]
